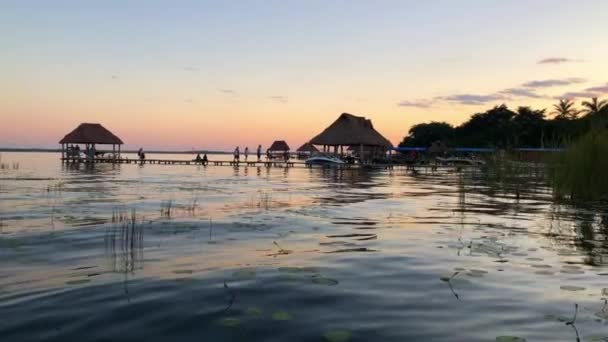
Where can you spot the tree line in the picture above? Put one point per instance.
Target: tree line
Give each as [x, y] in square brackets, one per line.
[501, 127]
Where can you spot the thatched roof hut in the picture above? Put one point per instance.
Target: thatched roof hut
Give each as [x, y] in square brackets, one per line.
[91, 133]
[278, 146]
[351, 130]
[307, 148]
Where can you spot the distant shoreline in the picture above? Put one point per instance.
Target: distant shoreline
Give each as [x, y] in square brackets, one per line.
[55, 150]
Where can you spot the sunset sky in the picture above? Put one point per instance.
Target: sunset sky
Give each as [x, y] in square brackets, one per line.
[216, 74]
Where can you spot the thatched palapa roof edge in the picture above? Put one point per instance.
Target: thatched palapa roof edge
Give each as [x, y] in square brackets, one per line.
[307, 147]
[91, 133]
[279, 146]
[352, 130]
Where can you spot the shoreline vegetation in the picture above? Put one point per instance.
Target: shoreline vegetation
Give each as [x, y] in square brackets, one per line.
[577, 173]
[503, 128]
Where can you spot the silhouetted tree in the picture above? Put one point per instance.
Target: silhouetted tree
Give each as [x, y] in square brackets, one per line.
[565, 110]
[594, 106]
[529, 127]
[425, 134]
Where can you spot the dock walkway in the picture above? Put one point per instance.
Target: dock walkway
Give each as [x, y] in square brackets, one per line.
[270, 163]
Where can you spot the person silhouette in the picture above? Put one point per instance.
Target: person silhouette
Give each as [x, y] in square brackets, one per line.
[236, 154]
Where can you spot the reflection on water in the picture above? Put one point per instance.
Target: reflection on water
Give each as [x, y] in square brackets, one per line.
[154, 252]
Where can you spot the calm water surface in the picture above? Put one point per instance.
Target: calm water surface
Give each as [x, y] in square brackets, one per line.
[188, 253]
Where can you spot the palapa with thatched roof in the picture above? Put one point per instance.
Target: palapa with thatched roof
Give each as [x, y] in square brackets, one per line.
[278, 146]
[89, 134]
[306, 149]
[351, 130]
[278, 149]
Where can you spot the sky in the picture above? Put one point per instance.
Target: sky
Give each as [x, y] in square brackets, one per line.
[216, 74]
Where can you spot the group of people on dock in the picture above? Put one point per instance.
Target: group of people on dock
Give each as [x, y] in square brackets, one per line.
[73, 151]
[203, 161]
[237, 154]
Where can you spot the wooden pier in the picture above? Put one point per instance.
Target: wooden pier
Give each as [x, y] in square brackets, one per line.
[267, 163]
[263, 163]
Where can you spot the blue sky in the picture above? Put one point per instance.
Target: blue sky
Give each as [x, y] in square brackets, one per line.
[234, 70]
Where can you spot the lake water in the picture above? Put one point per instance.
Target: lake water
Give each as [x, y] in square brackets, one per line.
[192, 253]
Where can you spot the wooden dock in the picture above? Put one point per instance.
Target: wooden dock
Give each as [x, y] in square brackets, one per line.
[268, 163]
[263, 163]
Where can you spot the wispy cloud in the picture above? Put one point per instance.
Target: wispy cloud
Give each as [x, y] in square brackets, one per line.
[190, 68]
[603, 89]
[554, 82]
[523, 92]
[279, 98]
[228, 91]
[417, 103]
[471, 99]
[571, 95]
[596, 91]
[555, 60]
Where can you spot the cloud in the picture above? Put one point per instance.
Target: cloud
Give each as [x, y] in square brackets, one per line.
[603, 89]
[523, 92]
[190, 68]
[571, 95]
[588, 92]
[279, 98]
[471, 99]
[417, 103]
[553, 82]
[228, 91]
[555, 60]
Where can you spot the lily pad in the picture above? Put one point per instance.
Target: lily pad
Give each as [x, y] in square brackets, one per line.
[290, 269]
[230, 322]
[572, 288]
[510, 339]
[246, 273]
[572, 271]
[182, 271]
[337, 335]
[479, 271]
[605, 291]
[253, 311]
[281, 316]
[324, 281]
[544, 273]
[78, 281]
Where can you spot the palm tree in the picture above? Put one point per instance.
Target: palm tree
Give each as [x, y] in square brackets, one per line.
[594, 106]
[565, 110]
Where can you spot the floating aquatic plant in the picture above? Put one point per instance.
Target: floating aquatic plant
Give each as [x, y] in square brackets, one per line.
[337, 335]
[253, 311]
[78, 281]
[320, 280]
[281, 316]
[510, 339]
[230, 322]
[246, 273]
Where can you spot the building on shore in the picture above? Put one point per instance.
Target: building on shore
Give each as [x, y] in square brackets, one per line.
[90, 135]
[356, 132]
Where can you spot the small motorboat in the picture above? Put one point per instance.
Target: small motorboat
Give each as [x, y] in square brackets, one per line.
[324, 160]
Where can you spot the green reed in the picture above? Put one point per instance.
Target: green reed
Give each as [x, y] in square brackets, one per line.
[580, 172]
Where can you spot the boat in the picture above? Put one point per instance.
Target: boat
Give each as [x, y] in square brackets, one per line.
[324, 160]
